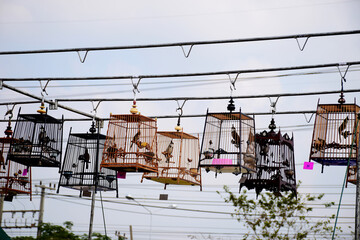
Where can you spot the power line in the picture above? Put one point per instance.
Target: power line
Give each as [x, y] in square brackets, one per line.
[181, 44]
[229, 72]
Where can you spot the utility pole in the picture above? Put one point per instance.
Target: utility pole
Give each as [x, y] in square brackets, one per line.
[42, 201]
[1, 208]
[91, 215]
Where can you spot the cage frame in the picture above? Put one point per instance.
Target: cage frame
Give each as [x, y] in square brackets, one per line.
[149, 162]
[320, 144]
[178, 175]
[276, 182]
[94, 174]
[238, 167]
[39, 159]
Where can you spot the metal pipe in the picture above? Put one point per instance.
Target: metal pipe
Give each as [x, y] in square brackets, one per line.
[186, 74]
[256, 39]
[50, 102]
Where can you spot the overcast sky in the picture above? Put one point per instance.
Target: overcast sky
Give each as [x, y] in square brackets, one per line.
[35, 25]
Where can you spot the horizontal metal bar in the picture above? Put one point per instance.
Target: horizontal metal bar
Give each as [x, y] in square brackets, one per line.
[186, 74]
[192, 116]
[50, 102]
[193, 43]
[202, 98]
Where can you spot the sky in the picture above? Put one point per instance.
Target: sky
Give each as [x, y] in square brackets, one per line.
[36, 25]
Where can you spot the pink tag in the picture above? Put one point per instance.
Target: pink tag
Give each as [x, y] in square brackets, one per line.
[121, 175]
[25, 172]
[308, 165]
[222, 161]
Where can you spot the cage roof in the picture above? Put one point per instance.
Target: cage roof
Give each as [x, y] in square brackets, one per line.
[177, 135]
[340, 107]
[131, 118]
[230, 116]
[39, 118]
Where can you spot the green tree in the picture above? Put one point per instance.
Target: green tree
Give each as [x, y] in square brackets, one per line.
[281, 217]
[56, 232]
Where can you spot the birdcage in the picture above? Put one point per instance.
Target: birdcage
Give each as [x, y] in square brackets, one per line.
[39, 141]
[228, 143]
[275, 164]
[81, 167]
[352, 175]
[333, 135]
[131, 144]
[179, 159]
[15, 178]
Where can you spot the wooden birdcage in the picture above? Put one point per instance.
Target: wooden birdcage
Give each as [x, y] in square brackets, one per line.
[131, 144]
[351, 176]
[228, 143]
[81, 166]
[39, 141]
[333, 133]
[275, 164]
[15, 178]
[179, 159]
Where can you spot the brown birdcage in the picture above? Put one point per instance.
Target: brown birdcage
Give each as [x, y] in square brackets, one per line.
[228, 143]
[81, 167]
[131, 144]
[333, 135]
[15, 178]
[275, 163]
[179, 159]
[351, 176]
[39, 141]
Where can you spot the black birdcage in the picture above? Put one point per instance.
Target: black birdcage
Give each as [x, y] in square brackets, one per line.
[39, 141]
[275, 164]
[81, 167]
[131, 144]
[179, 159]
[228, 143]
[335, 137]
[15, 178]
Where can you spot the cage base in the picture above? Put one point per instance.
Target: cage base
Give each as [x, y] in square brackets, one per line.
[132, 167]
[334, 162]
[34, 160]
[175, 181]
[88, 187]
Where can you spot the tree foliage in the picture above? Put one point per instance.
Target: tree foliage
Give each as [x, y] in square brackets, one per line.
[56, 232]
[281, 217]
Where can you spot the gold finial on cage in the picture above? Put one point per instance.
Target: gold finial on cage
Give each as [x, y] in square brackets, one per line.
[134, 110]
[42, 108]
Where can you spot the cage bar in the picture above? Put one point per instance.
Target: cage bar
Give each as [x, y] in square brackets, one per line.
[275, 163]
[81, 166]
[333, 135]
[179, 159]
[15, 178]
[39, 141]
[228, 143]
[131, 144]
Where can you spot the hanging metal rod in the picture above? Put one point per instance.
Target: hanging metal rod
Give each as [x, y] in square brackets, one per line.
[256, 39]
[186, 74]
[49, 102]
[192, 116]
[202, 98]
[20, 103]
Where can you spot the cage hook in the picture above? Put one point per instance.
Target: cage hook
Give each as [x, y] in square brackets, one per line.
[273, 105]
[308, 120]
[343, 79]
[135, 85]
[43, 89]
[232, 82]
[186, 55]
[9, 112]
[301, 48]
[180, 112]
[82, 60]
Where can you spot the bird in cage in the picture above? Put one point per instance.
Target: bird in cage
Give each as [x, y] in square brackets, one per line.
[85, 157]
[319, 144]
[264, 149]
[167, 153]
[289, 173]
[143, 145]
[149, 156]
[235, 137]
[345, 134]
[209, 154]
[43, 138]
[343, 125]
[135, 138]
